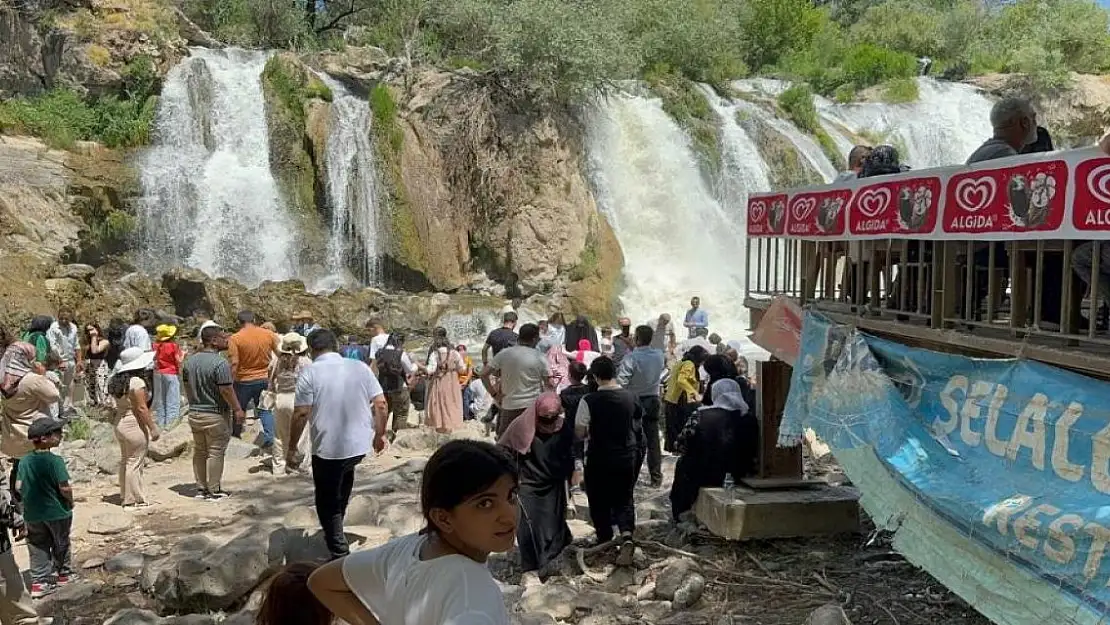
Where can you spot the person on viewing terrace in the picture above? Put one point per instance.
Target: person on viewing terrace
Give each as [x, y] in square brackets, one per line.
[856, 158]
[1015, 126]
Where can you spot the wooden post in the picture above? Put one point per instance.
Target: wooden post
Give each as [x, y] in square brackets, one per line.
[774, 385]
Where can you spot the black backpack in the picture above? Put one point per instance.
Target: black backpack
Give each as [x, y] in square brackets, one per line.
[391, 373]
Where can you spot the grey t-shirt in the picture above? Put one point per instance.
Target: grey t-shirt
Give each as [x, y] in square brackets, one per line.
[204, 373]
[990, 150]
[523, 372]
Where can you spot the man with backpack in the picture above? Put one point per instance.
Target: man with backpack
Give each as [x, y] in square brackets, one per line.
[395, 372]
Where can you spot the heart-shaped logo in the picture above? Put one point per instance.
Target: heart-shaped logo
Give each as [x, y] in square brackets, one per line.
[757, 211]
[1098, 182]
[803, 207]
[975, 194]
[872, 202]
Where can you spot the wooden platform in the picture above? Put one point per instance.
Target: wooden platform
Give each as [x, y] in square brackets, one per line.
[743, 513]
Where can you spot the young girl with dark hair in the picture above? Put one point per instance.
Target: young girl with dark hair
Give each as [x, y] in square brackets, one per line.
[288, 600]
[469, 499]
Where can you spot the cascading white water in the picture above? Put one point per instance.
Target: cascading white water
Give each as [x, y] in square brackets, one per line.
[678, 241]
[943, 127]
[353, 190]
[209, 198]
[742, 167]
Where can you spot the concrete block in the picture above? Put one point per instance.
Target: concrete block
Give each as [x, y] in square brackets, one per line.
[743, 514]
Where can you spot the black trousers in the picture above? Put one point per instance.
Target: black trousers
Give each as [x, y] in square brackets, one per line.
[334, 480]
[676, 416]
[610, 482]
[651, 406]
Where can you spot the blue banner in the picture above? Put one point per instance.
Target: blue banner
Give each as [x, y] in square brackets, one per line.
[1014, 453]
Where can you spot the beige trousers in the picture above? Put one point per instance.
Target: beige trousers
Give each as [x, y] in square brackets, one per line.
[133, 443]
[283, 426]
[15, 602]
[211, 434]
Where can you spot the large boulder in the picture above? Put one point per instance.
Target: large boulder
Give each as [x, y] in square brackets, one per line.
[172, 443]
[191, 580]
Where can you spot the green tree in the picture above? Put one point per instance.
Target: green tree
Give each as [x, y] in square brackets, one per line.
[772, 28]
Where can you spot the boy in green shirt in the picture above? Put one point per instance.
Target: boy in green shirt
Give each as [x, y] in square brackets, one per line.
[43, 482]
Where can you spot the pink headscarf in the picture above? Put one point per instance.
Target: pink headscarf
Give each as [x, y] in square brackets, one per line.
[522, 430]
[15, 363]
[583, 346]
[558, 362]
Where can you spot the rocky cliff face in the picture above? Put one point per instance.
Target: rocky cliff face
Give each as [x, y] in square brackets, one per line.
[85, 45]
[478, 185]
[1077, 116]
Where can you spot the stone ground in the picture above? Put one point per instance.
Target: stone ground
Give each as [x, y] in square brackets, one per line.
[682, 575]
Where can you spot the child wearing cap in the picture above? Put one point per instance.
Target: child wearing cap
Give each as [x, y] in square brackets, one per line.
[43, 483]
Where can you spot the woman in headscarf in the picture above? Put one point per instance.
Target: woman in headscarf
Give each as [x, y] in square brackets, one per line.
[557, 361]
[717, 367]
[444, 401]
[545, 451]
[718, 439]
[16, 358]
[36, 335]
[581, 330]
[584, 354]
[682, 394]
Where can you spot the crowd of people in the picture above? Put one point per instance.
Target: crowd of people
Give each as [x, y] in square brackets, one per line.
[569, 407]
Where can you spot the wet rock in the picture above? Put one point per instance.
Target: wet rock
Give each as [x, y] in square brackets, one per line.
[829, 614]
[672, 577]
[111, 523]
[128, 562]
[554, 600]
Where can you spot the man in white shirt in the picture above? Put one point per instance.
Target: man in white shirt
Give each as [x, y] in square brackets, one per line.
[344, 404]
[64, 341]
[523, 374]
[379, 339]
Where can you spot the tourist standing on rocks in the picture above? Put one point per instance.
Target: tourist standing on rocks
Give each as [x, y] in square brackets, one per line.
[696, 318]
[522, 374]
[501, 338]
[213, 406]
[639, 374]
[37, 336]
[718, 439]
[605, 346]
[609, 420]
[354, 351]
[43, 482]
[284, 372]
[557, 362]
[469, 499]
[135, 427]
[303, 323]
[444, 403]
[65, 341]
[682, 394]
[546, 462]
[663, 338]
[96, 367]
[250, 350]
[584, 354]
[29, 397]
[116, 332]
[15, 604]
[378, 337]
[579, 330]
[464, 381]
[395, 371]
[570, 397]
[138, 333]
[167, 367]
[557, 330]
[623, 343]
[345, 406]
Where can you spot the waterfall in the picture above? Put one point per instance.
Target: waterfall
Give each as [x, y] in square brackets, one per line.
[353, 191]
[209, 198]
[943, 127]
[677, 238]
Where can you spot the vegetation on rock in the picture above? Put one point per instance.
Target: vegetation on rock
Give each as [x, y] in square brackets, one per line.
[687, 105]
[404, 241]
[62, 116]
[797, 105]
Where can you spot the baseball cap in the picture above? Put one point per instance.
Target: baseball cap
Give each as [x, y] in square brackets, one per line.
[43, 427]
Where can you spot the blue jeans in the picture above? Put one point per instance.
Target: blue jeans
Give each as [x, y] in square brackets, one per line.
[167, 399]
[246, 392]
[467, 397]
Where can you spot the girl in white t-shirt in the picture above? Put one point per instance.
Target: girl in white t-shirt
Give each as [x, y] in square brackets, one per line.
[438, 576]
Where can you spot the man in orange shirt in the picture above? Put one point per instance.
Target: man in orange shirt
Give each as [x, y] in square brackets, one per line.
[249, 351]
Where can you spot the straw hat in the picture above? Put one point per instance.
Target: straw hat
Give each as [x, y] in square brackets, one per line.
[165, 332]
[293, 343]
[134, 359]
[304, 314]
